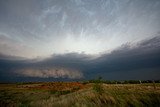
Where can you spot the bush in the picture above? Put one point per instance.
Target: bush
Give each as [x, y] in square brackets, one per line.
[97, 87]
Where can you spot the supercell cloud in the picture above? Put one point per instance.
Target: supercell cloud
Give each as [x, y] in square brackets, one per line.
[79, 39]
[54, 72]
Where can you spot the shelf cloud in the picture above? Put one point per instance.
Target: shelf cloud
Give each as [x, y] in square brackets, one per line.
[46, 40]
[129, 61]
[50, 72]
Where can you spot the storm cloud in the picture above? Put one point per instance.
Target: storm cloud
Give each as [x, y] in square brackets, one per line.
[47, 40]
[50, 72]
[129, 61]
[38, 28]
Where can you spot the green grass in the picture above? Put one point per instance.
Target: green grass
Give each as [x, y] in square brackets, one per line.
[94, 95]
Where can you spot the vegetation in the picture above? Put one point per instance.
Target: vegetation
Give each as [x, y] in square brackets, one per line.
[76, 94]
[99, 80]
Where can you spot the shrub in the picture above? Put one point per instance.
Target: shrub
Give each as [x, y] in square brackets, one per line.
[97, 87]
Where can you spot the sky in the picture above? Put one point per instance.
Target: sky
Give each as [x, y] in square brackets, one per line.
[79, 39]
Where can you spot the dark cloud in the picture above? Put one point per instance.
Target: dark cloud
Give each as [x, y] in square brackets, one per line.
[138, 61]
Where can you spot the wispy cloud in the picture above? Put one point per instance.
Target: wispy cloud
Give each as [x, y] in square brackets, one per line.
[55, 24]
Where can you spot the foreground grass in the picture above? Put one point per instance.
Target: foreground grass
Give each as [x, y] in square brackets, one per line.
[79, 95]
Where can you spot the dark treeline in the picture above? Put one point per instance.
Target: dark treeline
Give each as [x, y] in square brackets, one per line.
[100, 80]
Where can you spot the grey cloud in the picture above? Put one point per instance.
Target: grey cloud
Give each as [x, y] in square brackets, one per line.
[41, 28]
[10, 57]
[78, 2]
[35, 22]
[50, 73]
[130, 61]
[12, 47]
[139, 59]
[64, 17]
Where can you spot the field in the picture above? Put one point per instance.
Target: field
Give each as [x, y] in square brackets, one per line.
[77, 94]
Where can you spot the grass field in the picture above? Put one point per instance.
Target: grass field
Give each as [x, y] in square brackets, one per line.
[76, 94]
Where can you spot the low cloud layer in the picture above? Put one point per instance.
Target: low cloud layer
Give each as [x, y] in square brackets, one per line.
[129, 61]
[50, 73]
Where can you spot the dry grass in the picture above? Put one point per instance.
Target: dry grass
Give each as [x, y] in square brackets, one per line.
[75, 94]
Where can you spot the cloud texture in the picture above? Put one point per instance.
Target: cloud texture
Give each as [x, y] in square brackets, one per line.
[40, 28]
[50, 73]
[129, 61]
[47, 40]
